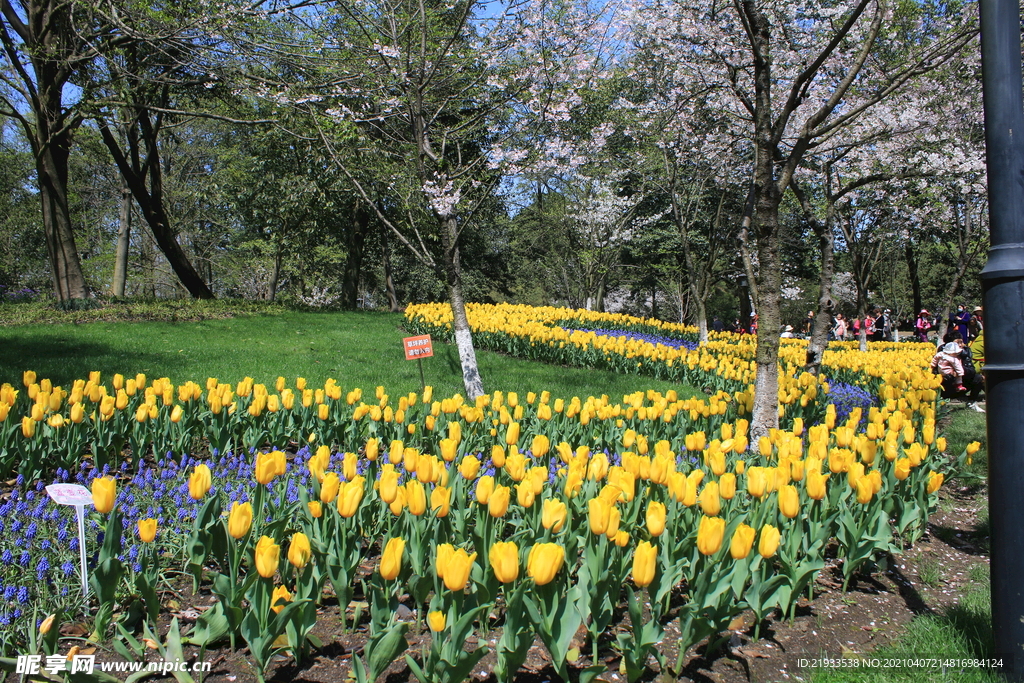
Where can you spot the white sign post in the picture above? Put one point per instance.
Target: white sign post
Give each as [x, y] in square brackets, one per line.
[79, 496]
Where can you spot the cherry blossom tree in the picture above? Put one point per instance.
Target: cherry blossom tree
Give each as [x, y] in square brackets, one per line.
[790, 74]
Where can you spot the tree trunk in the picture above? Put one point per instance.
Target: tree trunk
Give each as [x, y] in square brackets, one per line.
[354, 259]
[702, 320]
[124, 234]
[52, 167]
[275, 274]
[765, 414]
[862, 312]
[823, 316]
[826, 249]
[150, 201]
[915, 280]
[389, 282]
[460, 323]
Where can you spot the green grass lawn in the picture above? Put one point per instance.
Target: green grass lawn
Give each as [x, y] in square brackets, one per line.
[359, 349]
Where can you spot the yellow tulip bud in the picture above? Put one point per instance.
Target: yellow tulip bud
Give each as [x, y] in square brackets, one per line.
[28, 427]
[440, 500]
[710, 501]
[415, 497]
[456, 570]
[199, 482]
[104, 493]
[742, 541]
[436, 621]
[280, 596]
[268, 556]
[769, 543]
[789, 501]
[554, 514]
[299, 550]
[504, 559]
[935, 480]
[316, 508]
[391, 559]
[544, 561]
[351, 496]
[709, 534]
[645, 561]
[147, 530]
[329, 487]
[239, 519]
[497, 503]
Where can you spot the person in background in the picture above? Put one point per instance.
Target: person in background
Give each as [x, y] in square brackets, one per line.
[922, 325]
[808, 324]
[878, 325]
[946, 362]
[787, 332]
[753, 324]
[855, 326]
[975, 324]
[959, 320]
[717, 325]
[839, 328]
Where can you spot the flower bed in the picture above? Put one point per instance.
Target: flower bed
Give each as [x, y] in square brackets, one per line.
[521, 516]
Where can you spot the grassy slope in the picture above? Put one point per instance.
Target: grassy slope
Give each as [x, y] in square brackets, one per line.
[358, 349]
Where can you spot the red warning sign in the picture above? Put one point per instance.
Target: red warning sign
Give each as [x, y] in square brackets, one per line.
[418, 347]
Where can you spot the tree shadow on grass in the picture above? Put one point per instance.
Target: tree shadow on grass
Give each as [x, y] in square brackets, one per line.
[63, 359]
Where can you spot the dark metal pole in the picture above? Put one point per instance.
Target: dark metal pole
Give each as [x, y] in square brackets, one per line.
[1003, 289]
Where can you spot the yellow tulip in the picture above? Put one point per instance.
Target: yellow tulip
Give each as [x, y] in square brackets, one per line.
[268, 555]
[391, 559]
[28, 427]
[329, 487]
[935, 480]
[497, 503]
[864, 490]
[457, 569]
[544, 561]
[415, 497]
[742, 541]
[388, 484]
[269, 466]
[709, 534]
[902, 468]
[815, 484]
[727, 485]
[598, 513]
[199, 482]
[512, 434]
[350, 497]
[789, 501]
[104, 493]
[656, 514]
[553, 515]
[710, 501]
[484, 489]
[316, 508]
[524, 494]
[299, 551]
[239, 519]
[436, 621]
[769, 543]
[440, 500]
[469, 467]
[540, 446]
[147, 530]
[449, 449]
[280, 596]
[645, 561]
[757, 481]
[504, 558]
